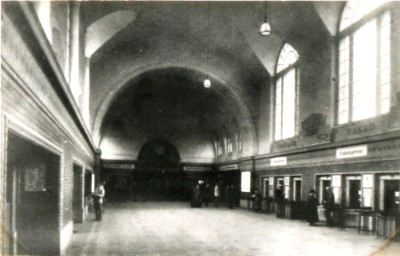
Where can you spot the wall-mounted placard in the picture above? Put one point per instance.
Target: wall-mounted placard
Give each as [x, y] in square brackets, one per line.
[367, 181]
[245, 181]
[279, 161]
[336, 181]
[119, 166]
[349, 152]
[287, 181]
[228, 167]
[197, 168]
[271, 181]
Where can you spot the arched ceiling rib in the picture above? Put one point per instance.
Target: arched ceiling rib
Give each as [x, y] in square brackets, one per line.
[171, 104]
[103, 29]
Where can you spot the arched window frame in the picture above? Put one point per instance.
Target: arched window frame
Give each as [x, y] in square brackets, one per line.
[346, 89]
[285, 128]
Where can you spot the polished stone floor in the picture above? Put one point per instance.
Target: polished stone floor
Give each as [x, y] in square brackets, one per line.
[176, 229]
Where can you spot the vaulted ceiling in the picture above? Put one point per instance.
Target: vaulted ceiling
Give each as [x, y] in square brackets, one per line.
[149, 59]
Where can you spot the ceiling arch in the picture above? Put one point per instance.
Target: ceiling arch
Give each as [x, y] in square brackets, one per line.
[171, 103]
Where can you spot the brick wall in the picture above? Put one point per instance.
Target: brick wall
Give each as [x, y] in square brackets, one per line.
[31, 107]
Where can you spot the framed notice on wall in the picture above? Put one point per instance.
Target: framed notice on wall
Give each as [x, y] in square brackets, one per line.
[367, 181]
[246, 182]
[35, 178]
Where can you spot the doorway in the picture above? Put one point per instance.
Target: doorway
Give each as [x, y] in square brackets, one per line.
[31, 208]
[78, 194]
[389, 193]
[323, 183]
[391, 196]
[297, 189]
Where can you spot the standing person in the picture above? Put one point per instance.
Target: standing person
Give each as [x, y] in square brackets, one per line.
[329, 204]
[231, 196]
[312, 212]
[207, 194]
[257, 200]
[217, 195]
[98, 196]
[279, 197]
[197, 196]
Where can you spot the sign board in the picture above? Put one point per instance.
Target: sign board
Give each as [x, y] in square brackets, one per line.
[367, 181]
[119, 166]
[336, 181]
[271, 181]
[278, 161]
[287, 181]
[197, 168]
[350, 152]
[245, 181]
[228, 167]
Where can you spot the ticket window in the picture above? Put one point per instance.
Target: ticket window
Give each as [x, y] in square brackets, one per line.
[323, 182]
[271, 187]
[353, 192]
[389, 200]
[296, 185]
[367, 194]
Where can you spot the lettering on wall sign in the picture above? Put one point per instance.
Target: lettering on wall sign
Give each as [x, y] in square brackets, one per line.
[286, 144]
[119, 166]
[360, 129]
[279, 161]
[349, 152]
[228, 167]
[197, 168]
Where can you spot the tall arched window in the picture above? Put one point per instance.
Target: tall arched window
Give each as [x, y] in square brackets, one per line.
[364, 61]
[286, 93]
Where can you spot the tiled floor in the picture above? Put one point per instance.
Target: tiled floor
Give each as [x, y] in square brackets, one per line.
[177, 229]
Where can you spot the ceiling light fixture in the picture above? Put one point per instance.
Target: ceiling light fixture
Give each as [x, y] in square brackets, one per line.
[265, 29]
[207, 81]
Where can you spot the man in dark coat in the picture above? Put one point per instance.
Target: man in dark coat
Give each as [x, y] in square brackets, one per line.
[329, 204]
[207, 193]
[279, 199]
[256, 197]
[312, 212]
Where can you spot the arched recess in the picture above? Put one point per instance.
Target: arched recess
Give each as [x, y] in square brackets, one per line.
[244, 114]
[158, 153]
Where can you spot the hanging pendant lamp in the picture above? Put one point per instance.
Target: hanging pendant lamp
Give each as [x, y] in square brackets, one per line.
[265, 28]
[207, 81]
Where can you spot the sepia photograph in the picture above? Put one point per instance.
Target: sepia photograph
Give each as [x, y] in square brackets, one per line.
[200, 128]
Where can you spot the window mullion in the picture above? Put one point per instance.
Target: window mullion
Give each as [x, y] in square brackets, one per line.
[282, 105]
[378, 66]
[350, 112]
[296, 98]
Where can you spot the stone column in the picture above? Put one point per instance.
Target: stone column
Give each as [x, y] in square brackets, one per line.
[97, 166]
[74, 52]
[394, 116]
